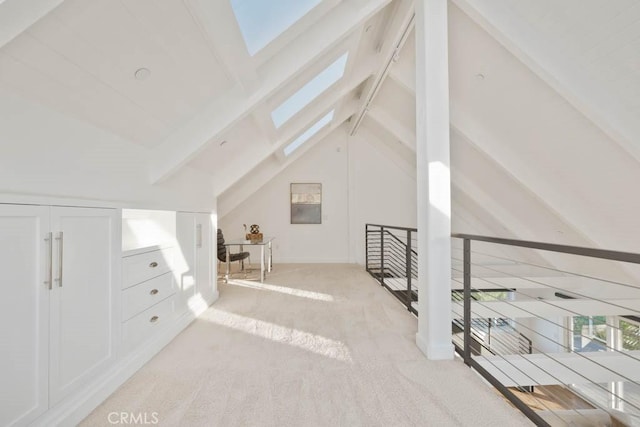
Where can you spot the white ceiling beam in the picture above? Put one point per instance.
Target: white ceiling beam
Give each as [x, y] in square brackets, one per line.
[394, 126]
[307, 118]
[399, 29]
[262, 117]
[301, 121]
[393, 150]
[266, 171]
[404, 80]
[16, 16]
[186, 142]
[220, 29]
[347, 111]
[557, 70]
[355, 46]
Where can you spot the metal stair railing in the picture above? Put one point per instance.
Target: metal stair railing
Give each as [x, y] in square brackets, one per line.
[392, 260]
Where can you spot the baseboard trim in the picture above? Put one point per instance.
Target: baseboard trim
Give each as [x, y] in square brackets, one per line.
[435, 352]
[73, 410]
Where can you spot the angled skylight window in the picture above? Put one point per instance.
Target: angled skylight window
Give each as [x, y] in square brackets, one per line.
[309, 92]
[261, 21]
[303, 137]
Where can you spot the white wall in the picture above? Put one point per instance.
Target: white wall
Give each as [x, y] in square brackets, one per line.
[145, 227]
[45, 153]
[383, 189]
[269, 208]
[549, 335]
[359, 185]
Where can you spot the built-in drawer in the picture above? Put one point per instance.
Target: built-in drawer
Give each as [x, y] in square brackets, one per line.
[140, 297]
[141, 267]
[146, 324]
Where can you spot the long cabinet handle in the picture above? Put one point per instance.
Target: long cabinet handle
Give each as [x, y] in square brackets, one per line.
[60, 240]
[198, 236]
[49, 281]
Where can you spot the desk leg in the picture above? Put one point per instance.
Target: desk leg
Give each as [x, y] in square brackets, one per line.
[261, 263]
[270, 264]
[226, 278]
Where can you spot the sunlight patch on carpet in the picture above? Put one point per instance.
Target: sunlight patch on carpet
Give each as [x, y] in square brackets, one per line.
[307, 341]
[283, 290]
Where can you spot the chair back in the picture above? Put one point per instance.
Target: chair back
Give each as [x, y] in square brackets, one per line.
[222, 251]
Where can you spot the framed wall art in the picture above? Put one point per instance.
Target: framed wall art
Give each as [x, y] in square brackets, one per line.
[306, 203]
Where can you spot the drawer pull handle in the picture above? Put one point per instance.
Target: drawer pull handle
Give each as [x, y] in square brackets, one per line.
[153, 264]
[153, 291]
[154, 319]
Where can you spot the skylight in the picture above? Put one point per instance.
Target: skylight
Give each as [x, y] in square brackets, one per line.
[309, 92]
[308, 134]
[261, 21]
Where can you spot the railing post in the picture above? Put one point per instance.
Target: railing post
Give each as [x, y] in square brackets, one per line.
[467, 300]
[408, 269]
[366, 247]
[382, 256]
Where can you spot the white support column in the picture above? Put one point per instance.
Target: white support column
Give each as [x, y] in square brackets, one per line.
[434, 180]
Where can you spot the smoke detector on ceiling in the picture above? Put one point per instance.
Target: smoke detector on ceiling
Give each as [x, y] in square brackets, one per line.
[142, 73]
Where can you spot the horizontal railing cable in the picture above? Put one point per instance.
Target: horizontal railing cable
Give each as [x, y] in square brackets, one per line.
[535, 315]
[527, 279]
[564, 365]
[533, 382]
[557, 270]
[576, 353]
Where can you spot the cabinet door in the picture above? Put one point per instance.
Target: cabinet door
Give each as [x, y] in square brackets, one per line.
[85, 311]
[24, 313]
[184, 263]
[205, 285]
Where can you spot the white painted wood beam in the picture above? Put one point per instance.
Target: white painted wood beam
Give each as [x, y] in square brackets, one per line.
[556, 69]
[309, 116]
[403, 80]
[355, 46]
[186, 142]
[398, 30]
[262, 117]
[405, 135]
[349, 109]
[323, 105]
[16, 16]
[266, 171]
[393, 150]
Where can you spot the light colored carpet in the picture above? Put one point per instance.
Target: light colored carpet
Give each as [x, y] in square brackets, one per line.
[316, 345]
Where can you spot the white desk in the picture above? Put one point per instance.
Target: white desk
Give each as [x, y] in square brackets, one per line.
[268, 262]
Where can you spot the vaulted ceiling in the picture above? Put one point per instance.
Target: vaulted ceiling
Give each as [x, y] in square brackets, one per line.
[545, 94]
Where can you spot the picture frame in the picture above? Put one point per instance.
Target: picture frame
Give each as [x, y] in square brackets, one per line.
[306, 203]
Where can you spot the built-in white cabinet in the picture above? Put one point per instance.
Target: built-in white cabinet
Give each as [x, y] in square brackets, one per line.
[24, 313]
[194, 263]
[185, 262]
[148, 294]
[206, 286]
[61, 275]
